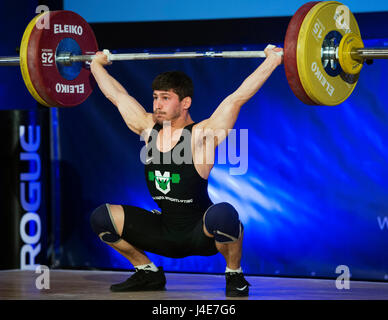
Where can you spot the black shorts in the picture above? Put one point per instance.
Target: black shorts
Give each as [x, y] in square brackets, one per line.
[148, 231]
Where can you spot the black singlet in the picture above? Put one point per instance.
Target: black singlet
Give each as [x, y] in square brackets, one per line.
[173, 182]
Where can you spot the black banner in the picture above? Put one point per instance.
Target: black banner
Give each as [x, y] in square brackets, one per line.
[24, 172]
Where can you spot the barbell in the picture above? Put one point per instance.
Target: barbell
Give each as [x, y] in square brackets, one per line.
[323, 55]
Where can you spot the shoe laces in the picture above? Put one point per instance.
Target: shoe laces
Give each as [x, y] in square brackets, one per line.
[236, 279]
[139, 274]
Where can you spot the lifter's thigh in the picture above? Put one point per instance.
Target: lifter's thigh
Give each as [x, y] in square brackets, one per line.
[117, 213]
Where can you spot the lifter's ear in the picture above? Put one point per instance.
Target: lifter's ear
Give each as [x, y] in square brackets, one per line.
[186, 102]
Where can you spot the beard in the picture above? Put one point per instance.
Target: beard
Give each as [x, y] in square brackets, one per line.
[160, 117]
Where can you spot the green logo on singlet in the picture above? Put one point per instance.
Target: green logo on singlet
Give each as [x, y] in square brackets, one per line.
[163, 182]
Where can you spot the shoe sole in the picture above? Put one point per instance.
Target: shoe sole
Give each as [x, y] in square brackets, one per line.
[237, 294]
[146, 288]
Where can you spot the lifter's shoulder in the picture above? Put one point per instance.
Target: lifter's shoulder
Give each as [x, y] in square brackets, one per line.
[200, 125]
[202, 133]
[147, 131]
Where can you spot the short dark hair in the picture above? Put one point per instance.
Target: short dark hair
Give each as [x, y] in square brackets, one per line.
[177, 81]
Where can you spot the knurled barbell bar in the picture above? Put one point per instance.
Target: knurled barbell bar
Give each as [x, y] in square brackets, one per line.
[323, 55]
[329, 53]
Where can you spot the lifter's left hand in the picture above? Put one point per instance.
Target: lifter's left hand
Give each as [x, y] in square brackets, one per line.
[275, 53]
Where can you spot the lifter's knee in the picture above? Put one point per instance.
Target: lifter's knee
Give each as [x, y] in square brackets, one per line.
[103, 224]
[222, 221]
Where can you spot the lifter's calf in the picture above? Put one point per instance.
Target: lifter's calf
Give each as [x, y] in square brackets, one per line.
[232, 253]
[134, 255]
[107, 221]
[221, 222]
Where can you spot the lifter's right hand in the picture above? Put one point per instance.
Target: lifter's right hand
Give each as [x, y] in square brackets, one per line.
[275, 53]
[101, 58]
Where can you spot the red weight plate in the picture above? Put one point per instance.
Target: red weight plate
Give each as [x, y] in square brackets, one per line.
[42, 45]
[290, 46]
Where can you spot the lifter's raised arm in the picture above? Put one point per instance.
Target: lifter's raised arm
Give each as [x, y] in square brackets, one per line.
[134, 115]
[225, 116]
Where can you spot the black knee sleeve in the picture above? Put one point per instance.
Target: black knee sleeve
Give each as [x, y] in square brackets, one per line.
[103, 225]
[222, 221]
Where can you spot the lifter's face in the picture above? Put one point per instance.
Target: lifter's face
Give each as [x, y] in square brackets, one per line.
[167, 106]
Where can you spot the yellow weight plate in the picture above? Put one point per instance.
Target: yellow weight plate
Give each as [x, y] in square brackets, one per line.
[323, 20]
[23, 60]
[349, 64]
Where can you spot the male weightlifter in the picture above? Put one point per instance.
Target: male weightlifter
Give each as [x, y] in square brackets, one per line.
[188, 223]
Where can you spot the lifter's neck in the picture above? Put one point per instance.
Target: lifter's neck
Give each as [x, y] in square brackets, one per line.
[179, 123]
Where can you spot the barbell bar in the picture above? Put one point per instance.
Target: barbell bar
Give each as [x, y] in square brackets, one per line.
[370, 53]
[322, 59]
[68, 58]
[10, 61]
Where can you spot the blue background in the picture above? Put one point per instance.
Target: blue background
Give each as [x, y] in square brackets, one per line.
[315, 193]
[14, 18]
[310, 200]
[156, 10]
